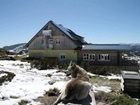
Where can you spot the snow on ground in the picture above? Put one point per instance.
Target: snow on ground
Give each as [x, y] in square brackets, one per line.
[112, 77]
[3, 74]
[116, 77]
[90, 74]
[106, 89]
[29, 84]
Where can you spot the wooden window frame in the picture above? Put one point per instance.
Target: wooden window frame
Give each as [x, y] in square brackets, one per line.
[103, 57]
[88, 57]
[62, 57]
[57, 41]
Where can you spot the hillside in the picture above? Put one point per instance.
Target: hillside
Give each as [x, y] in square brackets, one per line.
[136, 49]
[16, 48]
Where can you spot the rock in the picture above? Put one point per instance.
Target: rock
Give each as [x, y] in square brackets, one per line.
[51, 82]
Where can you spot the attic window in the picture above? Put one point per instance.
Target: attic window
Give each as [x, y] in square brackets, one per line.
[47, 32]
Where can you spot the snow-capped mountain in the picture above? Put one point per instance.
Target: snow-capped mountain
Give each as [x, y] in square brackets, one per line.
[16, 48]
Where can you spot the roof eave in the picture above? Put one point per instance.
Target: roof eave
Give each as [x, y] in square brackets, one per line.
[27, 45]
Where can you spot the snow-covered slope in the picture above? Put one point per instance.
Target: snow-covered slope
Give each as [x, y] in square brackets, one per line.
[28, 84]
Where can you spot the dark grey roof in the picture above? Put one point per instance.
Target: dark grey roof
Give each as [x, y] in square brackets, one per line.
[106, 47]
[130, 75]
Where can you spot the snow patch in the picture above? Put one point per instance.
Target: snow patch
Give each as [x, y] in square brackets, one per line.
[115, 77]
[111, 77]
[47, 32]
[102, 88]
[27, 84]
[3, 74]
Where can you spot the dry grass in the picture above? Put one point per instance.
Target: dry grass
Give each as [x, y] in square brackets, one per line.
[49, 97]
[46, 100]
[116, 97]
[114, 84]
[7, 77]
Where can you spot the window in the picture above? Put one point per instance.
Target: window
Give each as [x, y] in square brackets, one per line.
[85, 56]
[51, 41]
[62, 57]
[104, 57]
[92, 57]
[88, 57]
[42, 41]
[47, 32]
[57, 41]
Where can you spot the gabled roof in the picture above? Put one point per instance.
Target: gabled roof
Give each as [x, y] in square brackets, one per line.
[36, 35]
[118, 47]
[72, 35]
[66, 31]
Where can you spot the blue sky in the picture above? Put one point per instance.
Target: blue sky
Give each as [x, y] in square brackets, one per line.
[99, 21]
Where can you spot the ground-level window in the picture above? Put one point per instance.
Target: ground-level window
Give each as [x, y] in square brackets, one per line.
[88, 57]
[62, 57]
[104, 57]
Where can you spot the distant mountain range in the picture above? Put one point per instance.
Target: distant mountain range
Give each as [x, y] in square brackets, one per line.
[135, 48]
[16, 48]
